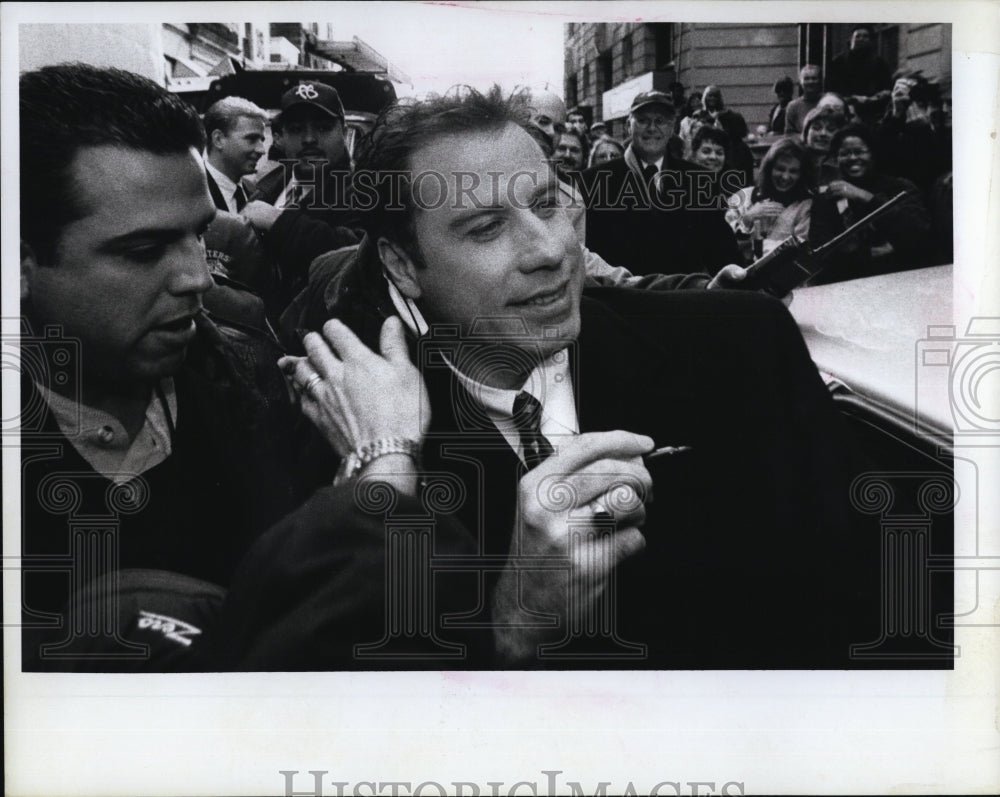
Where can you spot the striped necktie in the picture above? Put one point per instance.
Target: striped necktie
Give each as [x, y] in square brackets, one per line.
[528, 420]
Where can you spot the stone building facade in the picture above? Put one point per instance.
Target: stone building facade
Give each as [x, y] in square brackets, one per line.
[607, 64]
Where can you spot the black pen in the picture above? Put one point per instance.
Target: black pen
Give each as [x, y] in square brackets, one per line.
[665, 451]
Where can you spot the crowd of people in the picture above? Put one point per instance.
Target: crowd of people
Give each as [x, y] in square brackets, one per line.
[903, 119]
[287, 380]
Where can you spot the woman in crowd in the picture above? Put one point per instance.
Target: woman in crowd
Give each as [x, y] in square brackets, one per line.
[690, 126]
[779, 204]
[818, 130]
[896, 242]
[833, 100]
[709, 148]
[605, 149]
[783, 88]
[691, 107]
[914, 135]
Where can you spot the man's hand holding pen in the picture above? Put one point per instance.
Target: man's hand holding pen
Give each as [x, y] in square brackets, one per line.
[580, 511]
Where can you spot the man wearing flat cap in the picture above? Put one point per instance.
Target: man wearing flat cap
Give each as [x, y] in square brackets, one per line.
[652, 212]
[302, 208]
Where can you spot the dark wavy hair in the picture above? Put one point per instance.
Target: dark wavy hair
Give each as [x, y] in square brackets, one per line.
[68, 107]
[856, 130]
[405, 127]
[786, 148]
[712, 134]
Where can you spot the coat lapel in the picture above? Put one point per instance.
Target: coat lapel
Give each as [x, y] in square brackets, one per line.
[216, 192]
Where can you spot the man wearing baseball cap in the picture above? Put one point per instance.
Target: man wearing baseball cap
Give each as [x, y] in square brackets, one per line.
[302, 208]
[649, 211]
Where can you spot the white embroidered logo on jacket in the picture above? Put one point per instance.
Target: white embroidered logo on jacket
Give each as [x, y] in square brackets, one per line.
[170, 627]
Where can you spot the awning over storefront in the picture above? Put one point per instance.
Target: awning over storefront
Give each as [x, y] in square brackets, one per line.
[182, 67]
[360, 57]
[226, 66]
[618, 101]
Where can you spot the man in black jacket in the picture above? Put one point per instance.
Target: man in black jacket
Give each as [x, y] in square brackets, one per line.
[303, 208]
[155, 440]
[544, 400]
[861, 75]
[651, 213]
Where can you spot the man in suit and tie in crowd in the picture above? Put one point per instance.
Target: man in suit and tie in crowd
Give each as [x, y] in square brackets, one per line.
[652, 212]
[234, 131]
[544, 400]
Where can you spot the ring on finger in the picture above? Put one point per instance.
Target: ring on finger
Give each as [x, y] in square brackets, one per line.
[311, 383]
[601, 512]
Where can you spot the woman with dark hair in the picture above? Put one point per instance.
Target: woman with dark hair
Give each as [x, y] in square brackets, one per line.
[897, 241]
[714, 150]
[779, 204]
[710, 148]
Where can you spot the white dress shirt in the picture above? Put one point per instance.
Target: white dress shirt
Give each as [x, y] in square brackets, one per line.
[226, 186]
[551, 383]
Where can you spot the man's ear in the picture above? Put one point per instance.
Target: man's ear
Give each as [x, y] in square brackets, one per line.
[29, 262]
[400, 267]
[216, 137]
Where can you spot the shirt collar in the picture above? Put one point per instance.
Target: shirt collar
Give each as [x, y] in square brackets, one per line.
[550, 382]
[226, 186]
[101, 439]
[637, 164]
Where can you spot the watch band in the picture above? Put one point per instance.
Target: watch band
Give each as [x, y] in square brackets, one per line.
[369, 452]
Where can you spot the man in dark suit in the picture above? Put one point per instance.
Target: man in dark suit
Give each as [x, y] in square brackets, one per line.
[543, 403]
[652, 213]
[234, 133]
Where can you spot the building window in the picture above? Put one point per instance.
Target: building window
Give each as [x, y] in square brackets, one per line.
[571, 27]
[663, 44]
[604, 67]
[627, 56]
[572, 98]
[887, 44]
[586, 80]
